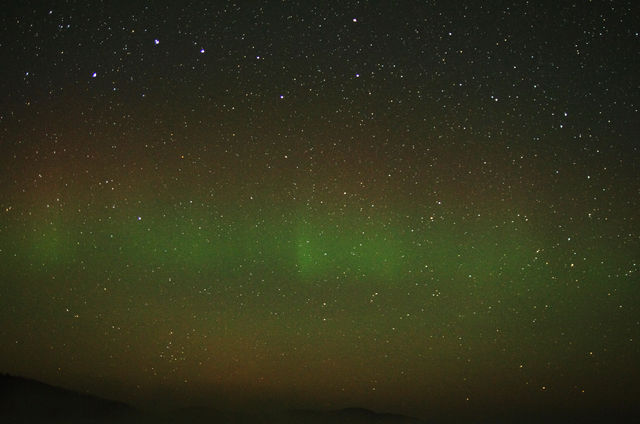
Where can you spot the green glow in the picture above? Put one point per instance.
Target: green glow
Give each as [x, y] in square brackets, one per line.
[314, 248]
[348, 247]
[49, 244]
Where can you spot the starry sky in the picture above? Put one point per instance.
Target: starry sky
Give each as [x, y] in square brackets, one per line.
[420, 207]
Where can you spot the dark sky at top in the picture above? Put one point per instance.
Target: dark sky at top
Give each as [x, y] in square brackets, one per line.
[418, 207]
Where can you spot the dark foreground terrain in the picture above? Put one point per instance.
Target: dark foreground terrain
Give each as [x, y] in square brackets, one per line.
[28, 401]
[32, 402]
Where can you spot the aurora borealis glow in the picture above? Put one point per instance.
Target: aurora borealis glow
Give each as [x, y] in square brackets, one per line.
[426, 208]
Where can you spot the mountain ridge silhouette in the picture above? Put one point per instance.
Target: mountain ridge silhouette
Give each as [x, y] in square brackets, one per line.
[25, 400]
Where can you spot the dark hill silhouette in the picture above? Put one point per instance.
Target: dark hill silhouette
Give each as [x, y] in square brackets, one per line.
[351, 416]
[345, 416]
[24, 400]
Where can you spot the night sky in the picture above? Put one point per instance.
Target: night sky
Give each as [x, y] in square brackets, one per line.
[428, 208]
